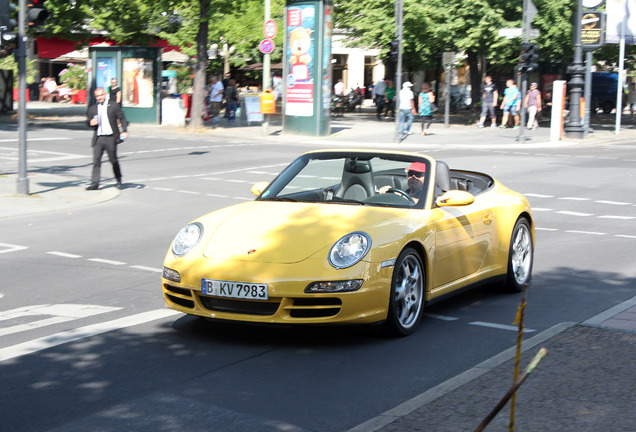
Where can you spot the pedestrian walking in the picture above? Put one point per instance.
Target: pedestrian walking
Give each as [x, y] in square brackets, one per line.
[489, 99]
[231, 101]
[426, 101]
[378, 95]
[389, 98]
[104, 117]
[216, 100]
[533, 105]
[510, 104]
[406, 109]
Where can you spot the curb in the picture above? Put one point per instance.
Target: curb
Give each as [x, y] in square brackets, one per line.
[447, 386]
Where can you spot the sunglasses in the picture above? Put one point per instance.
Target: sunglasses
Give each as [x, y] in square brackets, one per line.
[411, 173]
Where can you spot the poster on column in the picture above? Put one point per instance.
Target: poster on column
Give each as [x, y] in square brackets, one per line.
[326, 61]
[301, 27]
[137, 83]
[106, 71]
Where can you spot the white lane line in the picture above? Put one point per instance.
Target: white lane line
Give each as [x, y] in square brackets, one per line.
[189, 192]
[81, 333]
[617, 217]
[545, 229]
[586, 232]
[440, 317]
[64, 254]
[500, 326]
[571, 213]
[573, 199]
[625, 236]
[618, 203]
[105, 261]
[150, 269]
[541, 209]
[538, 195]
[217, 195]
[11, 247]
[163, 189]
[59, 313]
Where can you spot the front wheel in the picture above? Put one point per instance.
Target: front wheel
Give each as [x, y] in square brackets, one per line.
[520, 257]
[407, 294]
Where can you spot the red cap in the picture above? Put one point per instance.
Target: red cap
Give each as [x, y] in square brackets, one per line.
[417, 166]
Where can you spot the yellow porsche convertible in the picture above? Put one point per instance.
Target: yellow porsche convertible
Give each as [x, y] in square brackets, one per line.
[351, 236]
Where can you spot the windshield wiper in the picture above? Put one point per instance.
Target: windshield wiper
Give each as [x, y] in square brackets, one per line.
[279, 199]
[345, 201]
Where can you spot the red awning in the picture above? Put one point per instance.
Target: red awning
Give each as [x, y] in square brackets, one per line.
[53, 47]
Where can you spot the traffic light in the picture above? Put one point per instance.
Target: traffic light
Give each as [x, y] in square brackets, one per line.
[394, 50]
[8, 36]
[529, 57]
[36, 14]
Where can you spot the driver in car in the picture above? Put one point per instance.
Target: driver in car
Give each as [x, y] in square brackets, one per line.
[415, 180]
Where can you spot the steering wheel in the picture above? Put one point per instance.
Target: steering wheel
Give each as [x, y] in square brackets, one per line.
[402, 194]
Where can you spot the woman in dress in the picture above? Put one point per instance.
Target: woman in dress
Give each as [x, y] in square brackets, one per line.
[425, 101]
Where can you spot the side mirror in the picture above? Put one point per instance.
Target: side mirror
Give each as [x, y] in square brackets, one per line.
[259, 187]
[455, 198]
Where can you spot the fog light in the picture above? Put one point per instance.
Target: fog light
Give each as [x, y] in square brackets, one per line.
[171, 275]
[333, 286]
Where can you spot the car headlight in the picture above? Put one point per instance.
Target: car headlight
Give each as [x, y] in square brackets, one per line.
[349, 250]
[187, 239]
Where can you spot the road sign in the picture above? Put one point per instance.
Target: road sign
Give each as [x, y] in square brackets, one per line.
[517, 32]
[270, 29]
[266, 46]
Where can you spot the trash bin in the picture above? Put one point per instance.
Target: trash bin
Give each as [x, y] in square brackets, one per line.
[268, 102]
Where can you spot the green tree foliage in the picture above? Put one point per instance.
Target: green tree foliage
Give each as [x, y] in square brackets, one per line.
[470, 26]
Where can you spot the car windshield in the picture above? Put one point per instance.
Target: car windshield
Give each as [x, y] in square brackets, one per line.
[352, 178]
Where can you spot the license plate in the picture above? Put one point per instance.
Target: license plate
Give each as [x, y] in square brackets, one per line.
[230, 289]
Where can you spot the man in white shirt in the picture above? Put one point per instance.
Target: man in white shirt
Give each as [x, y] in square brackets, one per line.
[406, 109]
[378, 94]
[216, 99]
[338, 89]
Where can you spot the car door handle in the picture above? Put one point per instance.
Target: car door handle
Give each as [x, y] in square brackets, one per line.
[488, 219]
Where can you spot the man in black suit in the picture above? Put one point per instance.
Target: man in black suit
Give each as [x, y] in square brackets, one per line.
[103, 117]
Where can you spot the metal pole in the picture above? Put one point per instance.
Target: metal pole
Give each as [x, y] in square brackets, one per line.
[621, 75]
[588, 91]
[574, 128]
[449, 72]
[266, 70]
[23, 181]
[398, 70]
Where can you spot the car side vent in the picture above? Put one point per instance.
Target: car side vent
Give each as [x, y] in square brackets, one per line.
[314, 307]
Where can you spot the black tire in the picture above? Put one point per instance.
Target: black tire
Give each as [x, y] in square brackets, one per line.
[520, 257]
[406, 301]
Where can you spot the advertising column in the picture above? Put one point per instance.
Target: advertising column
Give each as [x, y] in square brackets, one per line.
[307, 67]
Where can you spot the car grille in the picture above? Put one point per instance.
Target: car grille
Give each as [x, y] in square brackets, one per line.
[240, 306]
[180, 296]
[314, 307]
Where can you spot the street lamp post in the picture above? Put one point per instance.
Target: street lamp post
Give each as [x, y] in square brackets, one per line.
[575, 127]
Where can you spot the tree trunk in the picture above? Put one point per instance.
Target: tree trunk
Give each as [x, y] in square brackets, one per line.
[199, 94]
[475, 79]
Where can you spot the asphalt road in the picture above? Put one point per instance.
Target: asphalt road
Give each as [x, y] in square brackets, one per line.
[124, 362]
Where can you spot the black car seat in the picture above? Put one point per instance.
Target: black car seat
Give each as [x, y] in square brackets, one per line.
[357, 180]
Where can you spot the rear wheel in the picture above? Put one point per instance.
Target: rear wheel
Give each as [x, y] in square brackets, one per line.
[407, 294]
[520, 257]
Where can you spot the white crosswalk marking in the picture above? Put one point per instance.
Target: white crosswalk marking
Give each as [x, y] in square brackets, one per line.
[58, 313]
[81, 333]
[6, 247]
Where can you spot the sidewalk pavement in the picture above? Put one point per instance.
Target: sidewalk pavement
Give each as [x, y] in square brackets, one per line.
[587, 381]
